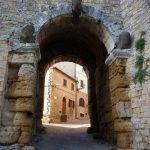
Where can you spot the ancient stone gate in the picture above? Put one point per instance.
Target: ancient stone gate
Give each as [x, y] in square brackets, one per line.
[91, 42]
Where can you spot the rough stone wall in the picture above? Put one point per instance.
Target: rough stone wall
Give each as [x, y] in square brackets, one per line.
[18, 109]
[16, 13]
[121, 104]
[136, 18]
[4, 48]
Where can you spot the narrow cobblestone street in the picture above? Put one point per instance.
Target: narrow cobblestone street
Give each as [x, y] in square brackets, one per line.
[69, 136]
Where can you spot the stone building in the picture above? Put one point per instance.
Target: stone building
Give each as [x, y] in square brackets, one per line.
[39, 33]
[59, 102]
[55, 92]
[82, 93]
[77, 72]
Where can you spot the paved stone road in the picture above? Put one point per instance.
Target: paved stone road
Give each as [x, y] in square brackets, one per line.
[70, 136]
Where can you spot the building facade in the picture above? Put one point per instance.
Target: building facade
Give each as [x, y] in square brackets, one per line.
[82, 93]
[65, 93]
[60, 97]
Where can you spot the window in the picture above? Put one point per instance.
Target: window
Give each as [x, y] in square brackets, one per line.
[81, 115]
[81, 83]
[64, 82]
[81, 102]
[72, 86]
[71, 103]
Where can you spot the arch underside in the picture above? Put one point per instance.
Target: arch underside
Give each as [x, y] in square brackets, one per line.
[62, 39]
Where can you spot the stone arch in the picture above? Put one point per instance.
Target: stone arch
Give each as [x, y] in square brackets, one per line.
[110, 26]
[68, 58]
[115, 80]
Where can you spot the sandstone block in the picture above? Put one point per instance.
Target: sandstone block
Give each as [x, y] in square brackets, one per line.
[119, 81]
[27, 70]
[9, 135]
[115, 70]
[114, 112]
[120, 94]
[124, 109]
[124, 140]
[23, 119]
[7, 118]
[121, 125]
[22, 58]
[25, 138]
[20, 89]
[25, 104]
[26, 129]
[20, 105]
[12, 147]
[28, 148]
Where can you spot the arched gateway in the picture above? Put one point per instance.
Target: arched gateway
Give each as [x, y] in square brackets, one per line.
[91, 42]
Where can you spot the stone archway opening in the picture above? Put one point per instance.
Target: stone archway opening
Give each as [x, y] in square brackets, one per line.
[61, 39]
[65, 83]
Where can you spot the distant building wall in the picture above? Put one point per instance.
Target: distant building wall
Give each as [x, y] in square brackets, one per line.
[67, 67]
[59, 92]
[82, 108]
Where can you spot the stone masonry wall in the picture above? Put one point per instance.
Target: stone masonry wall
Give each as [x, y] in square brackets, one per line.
[121, 103]
[136, 18]
[18, 108]
[4, 48]
[16, 13]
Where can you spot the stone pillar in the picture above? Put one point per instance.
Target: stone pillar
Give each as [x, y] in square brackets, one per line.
[121, 104]
[4, 48]
[40, 102]
[18, 117]
[92, 104]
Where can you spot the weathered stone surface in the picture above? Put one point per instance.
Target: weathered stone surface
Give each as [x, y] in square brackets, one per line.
[122, 125]
[124, 109]
[17, 147]
[24, 104]
[12, 147]
[9, 135]
[21, 58]
[26, 70]
[20, 89]
[120, 94]
[20, 105]
[119, 81]
[7, 118]
[28, 148]
[23, 119]
[25, 138]
[124, 140]
[26, 129]
[114, 112]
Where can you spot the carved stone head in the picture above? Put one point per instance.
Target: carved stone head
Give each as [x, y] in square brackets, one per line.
[27, 34]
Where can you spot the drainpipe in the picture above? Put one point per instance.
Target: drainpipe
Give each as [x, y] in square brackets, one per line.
[76, 104]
